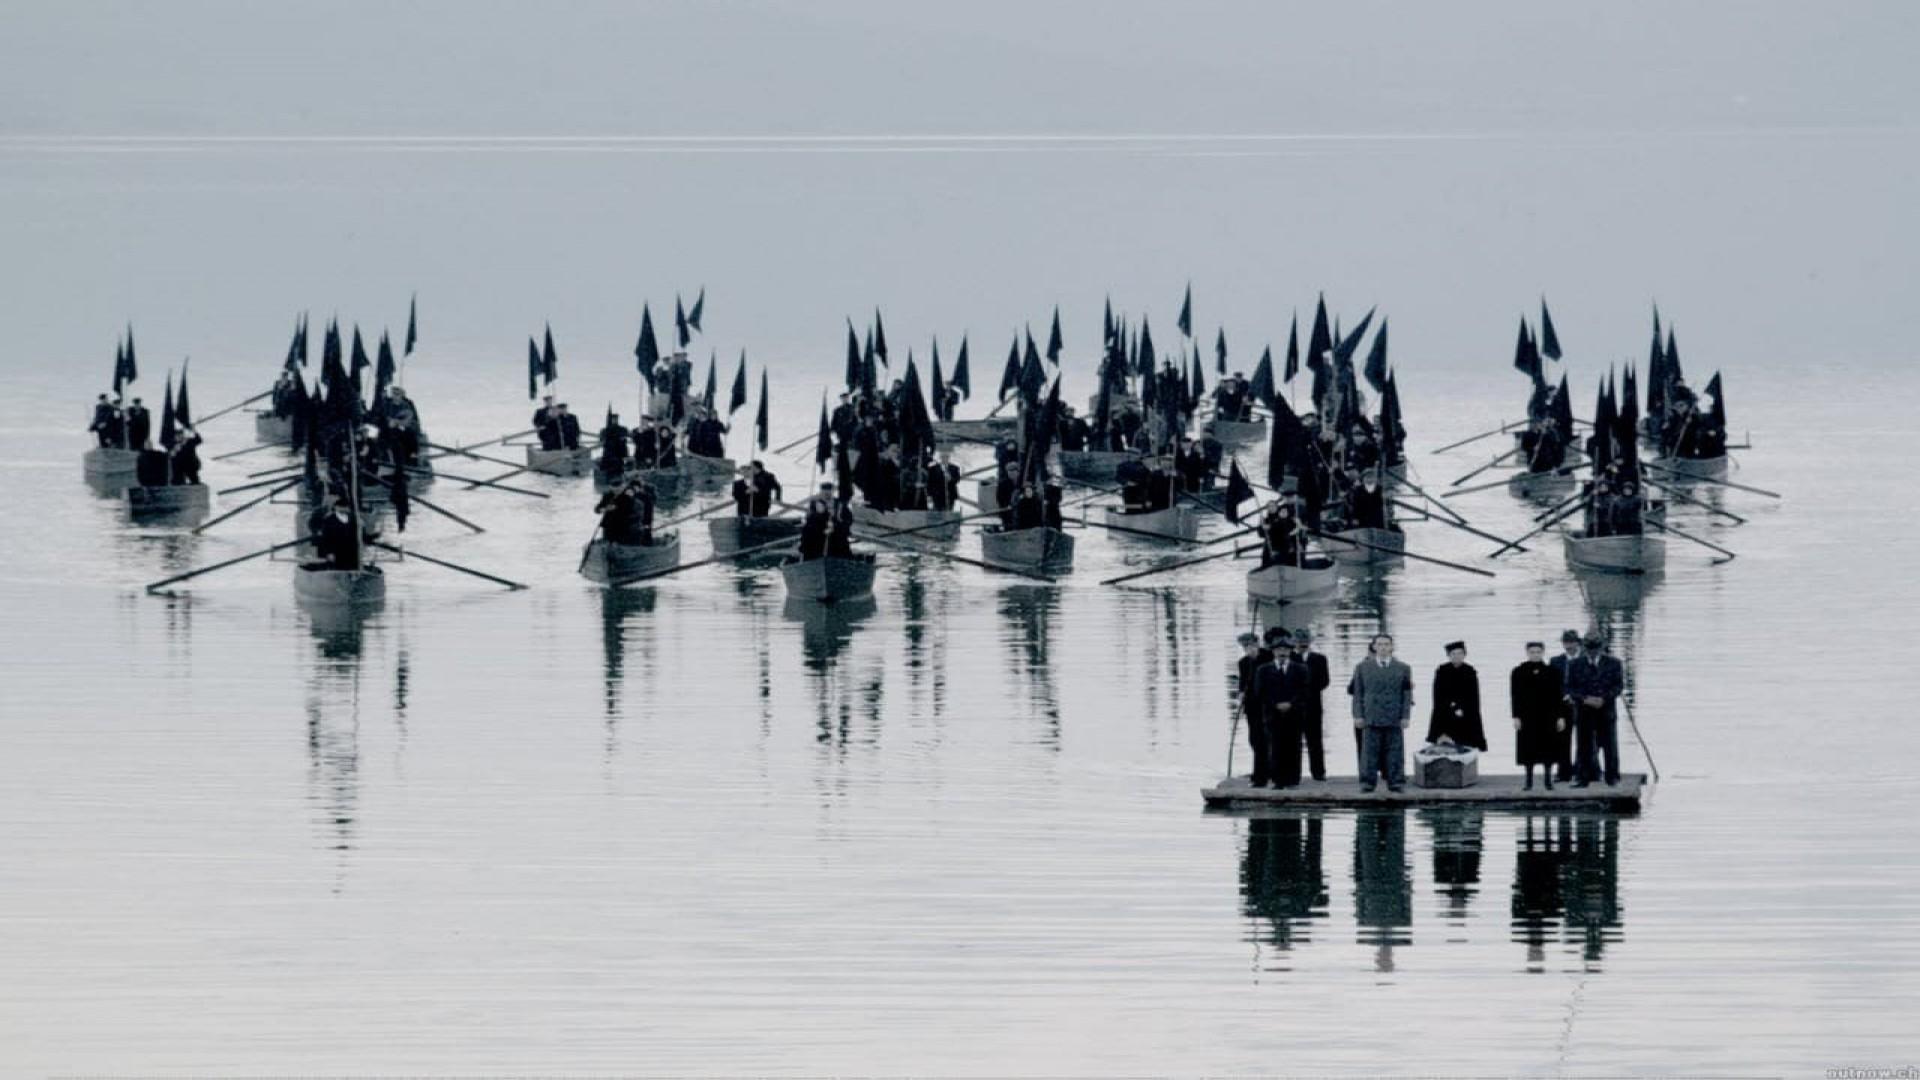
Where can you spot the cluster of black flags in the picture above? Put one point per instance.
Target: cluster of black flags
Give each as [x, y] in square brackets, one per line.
[647, 356]
[338, 398]
[176, 411]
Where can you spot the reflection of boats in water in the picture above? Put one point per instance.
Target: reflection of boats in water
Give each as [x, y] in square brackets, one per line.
[340, 629]
[825, 629]
[617, 606]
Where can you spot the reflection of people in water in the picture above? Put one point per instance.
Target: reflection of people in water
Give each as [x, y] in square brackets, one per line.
[1281, 877]
[1456, 841]
[1566, 870]
[1382, 888]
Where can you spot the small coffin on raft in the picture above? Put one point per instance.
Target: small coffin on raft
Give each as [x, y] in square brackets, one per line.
[1041, 548]
[830, 579]
[610, 564]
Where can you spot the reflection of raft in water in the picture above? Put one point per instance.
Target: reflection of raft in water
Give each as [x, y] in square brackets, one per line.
[1499, 792]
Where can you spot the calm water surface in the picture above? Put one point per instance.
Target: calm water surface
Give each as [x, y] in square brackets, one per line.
[691, 828]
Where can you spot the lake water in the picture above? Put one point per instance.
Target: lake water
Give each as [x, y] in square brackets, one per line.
[690, 828]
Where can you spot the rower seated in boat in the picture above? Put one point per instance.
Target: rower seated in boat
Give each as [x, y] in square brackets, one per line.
[546, 424]
[332, 527]
[1075, 433]
[828, 526]
[139, 425]
[1027, 511]
[755, 492]
[569, 426]
[183, 458]
[1144, 488]
[626, 513]
[1281, 541]
[1230, 401]
[613, 446]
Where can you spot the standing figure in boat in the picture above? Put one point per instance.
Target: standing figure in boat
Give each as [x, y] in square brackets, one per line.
[400, 430]
[1367, 506]
[943, 482]
[1282, 543]
[1544, 445]
[827, 528]
[108, 426]
[546, 424]
[1536, 694]
[139, 426]
[626, 513]
[613, 447]
[762, 490]
[332, 527]
[1456, 702]
[1230, 399]
[183, 457]
[706, 434]
[569, 426]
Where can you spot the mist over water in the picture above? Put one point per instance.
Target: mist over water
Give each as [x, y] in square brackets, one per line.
[692, 828]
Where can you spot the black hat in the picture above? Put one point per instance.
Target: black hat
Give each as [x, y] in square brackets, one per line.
[1452, 645]
[1276, 635]
[1303, 634]
[1594, 641]
[1572, 636]
[1249, 638]
[1536, 644]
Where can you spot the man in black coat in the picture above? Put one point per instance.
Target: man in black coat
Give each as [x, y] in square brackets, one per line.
[819, 521]
[1456, 701]
[613, 447]
[943, 482]
[139, 426]
[104, 421]
[1536, 694]
[1283, 686]
[1253, 657]
[764, 489]
[1312, 718]
[1594, 682]
[1569, 652]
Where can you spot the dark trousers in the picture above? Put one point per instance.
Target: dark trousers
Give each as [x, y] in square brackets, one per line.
[1598, 733]
[1257, 736]
[1564, 741]
[1283, 748]
[1311, 723]
[1382, 749]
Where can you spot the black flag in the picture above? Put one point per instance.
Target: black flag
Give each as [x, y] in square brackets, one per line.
[1293, 349]
[1238, 490]
[1376, 370]
[880, 339]
[713, 385]
[359, 360]
[823, 442]
[169, 434]
[1525, 359]
[1319, 340]
[738, 396]
[962, 377]
[1351, 343]
[699, 307]
[1186, 312]
[855, 372]
[1220, 352]
[533, 369]
[1010, 375]
[549, 360]
[940, 410]
[413, 324]
[182, 412]
[293, 351]
[1053, 339]
[681, 333]
[119, 365]
[646, 351]
[1261, 386]
[1549, 341]
[760, 419]
[133, 366]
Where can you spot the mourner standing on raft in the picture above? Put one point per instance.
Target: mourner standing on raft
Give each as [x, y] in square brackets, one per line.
[1594, 682]
[1313, 710]
[1382, 690]
[1254, 658]
[1456, 702]
[1283, 685]
[1569, 653]
[1537, 698]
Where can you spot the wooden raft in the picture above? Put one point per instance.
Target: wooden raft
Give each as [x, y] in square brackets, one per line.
[1500, 791]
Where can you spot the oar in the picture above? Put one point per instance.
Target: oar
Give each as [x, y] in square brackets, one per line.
[1568, 512]
[788, 541]
[1407, 554]
[1008, 568]
[463, 452]
[230, 562]
[275, 469]
[1565, 470]
[1455, 524]
[412, 498]
[217, 415]
[1559, 506]
[1444, 509]
[1164, 567]
[256, 484]
[245, 506]
[1708, 507]
[484, 442]
[1474, 439]
[698, 514]
[477, 483]
[809, 435]
[1644, 749]
[1712, 480]
[587, 551]
[251, 449]
[405, 554]
[1487, 466]
[1730, 556]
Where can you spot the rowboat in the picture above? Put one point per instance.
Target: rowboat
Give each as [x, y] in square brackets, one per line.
[577, 462]
[1239, 431]
[104, 462]
[706, 471]
[1552, 484]
[1034, 549]
[985, 429]
[933, 526]
[322, 585]
[1100, 466]
[1116, 403]
[1629, 554]
[1383, 546]
[987, 494]
[1713, 468]
[666, 483]
[1280, 583]
[830, 579]
[1173, 523]
[176, 502]
[610, 563]
[735, 533]
[269, 428]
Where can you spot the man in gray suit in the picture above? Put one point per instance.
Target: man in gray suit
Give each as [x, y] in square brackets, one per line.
[1382, 690]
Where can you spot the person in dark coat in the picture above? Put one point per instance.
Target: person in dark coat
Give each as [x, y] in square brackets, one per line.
[546, 422]
[105, 422]
[1367, 506]
[569, 428]
[1312, 714]
[943, 482]
[1594, 682]
[1456, 701]
[818, 523]
[1537, 695]
[765, 487]
[1569, 652]
[613, 446]
[626, 513]
[184, 457]
[1283, 686]
[1253, 657]
[139, 426]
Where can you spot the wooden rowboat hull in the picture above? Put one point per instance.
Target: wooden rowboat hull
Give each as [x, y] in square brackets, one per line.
[831, 579]
[1031, 549]
[559, 462]
[608, 562]
[985, 429]
[1239, 431]
[175, 502]
[1100, 466]
[323, 586]
[936, 526]
[1552, 486]
[1278, 584]
[1383, 546]
[1173, 523]
[269, 428]
[109, 461]
[666, 483]
[1714, 468]
[1616, 554]
[731, 534]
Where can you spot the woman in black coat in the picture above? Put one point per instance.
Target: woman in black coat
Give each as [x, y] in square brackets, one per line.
[1537, 713]
[1456, 701]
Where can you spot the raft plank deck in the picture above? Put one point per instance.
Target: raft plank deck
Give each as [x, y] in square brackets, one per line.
[1500, 790]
